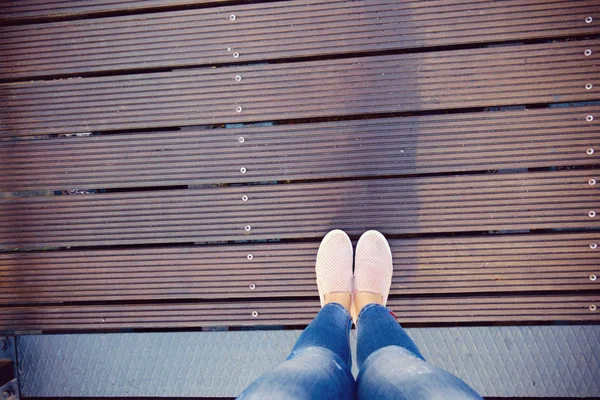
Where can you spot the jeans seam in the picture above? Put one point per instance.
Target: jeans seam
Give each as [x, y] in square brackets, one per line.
[347, 328]
[347, 334]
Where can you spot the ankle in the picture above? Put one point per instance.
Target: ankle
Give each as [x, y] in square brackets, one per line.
[364, 298]
[343, 298]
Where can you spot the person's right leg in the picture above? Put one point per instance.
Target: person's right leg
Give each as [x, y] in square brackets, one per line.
[390, 364]
[319, 366]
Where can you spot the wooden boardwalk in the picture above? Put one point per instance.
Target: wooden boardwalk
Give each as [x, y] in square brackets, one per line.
[174, 163]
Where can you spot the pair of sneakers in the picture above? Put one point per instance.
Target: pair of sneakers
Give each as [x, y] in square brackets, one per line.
[373, 266]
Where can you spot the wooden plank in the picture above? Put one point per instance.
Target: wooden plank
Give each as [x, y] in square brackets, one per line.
[505, 309]
[19, 10]
[280, 30]
[342, 149]
[497, 263]
[510, 75]
[543, 200]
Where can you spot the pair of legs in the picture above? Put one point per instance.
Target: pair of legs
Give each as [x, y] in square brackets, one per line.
[390, 364]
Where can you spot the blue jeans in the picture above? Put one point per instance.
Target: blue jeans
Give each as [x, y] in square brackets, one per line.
[390, 364]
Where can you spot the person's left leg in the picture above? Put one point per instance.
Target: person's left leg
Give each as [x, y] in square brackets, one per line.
[319, 366]
[391, 366]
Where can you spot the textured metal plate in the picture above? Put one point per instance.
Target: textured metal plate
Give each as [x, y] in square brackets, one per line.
[526, 361]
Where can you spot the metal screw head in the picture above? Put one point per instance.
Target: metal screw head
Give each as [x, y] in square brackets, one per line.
[232, 17]
[590, 151]
[7, 394]
[252, 286]
[588, 20]
[587, 52]
[244, 198]
[249, 256]
[592, 277]
[238, 78]
[592, 307]
[238, 109]
[236, 54]
[243, 170]
[592, 214]
[255, 314]
[593, 245]
[592, 182]
[589, 118]
[589, 86]
[248, 228]
[241, 139]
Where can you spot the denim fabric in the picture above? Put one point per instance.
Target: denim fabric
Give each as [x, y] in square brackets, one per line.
[378, 328]
[391, 366]
[393, 372]
[319, 366]
[330, 329]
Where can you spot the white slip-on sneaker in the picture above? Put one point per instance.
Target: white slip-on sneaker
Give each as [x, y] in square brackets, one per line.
[373, 267]
[334, 264]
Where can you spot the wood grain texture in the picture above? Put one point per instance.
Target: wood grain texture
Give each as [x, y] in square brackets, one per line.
[544, 200]
[524, 74]
[515, 309]
[344, 149]
[18, 10]
[484, 264]
[277, 30]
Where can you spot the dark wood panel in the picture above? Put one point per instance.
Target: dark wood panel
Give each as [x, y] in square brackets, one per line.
[522, 74]
[508, 264]
[308, 210]
[344, 149]
[506, 309]
[279, 30]
[17, 10]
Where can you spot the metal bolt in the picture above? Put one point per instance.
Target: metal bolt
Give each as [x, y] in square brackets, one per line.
[589, 86]
[232, 17]
[255, 314]
[592, 277]
[592, 307]
[249, 256]
[252, 286]
[236, 54]
[244, 198]
[587, 52]
[593, 245]
[243, 170]
[238, 109]
[589, 118]
[238, 78]
[590, 151]
[247, 228]
[7, 394]
[592, 182]
[241, 139]
[588, 20]
[592, 214]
